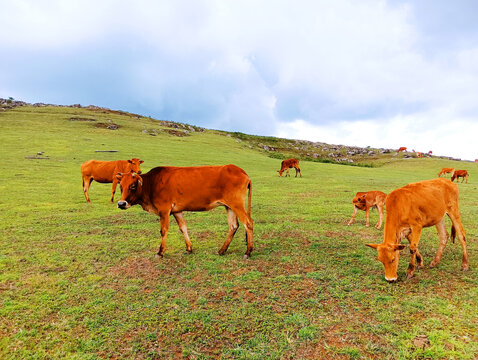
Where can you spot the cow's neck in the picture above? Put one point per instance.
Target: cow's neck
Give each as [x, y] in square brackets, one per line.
[145, 199]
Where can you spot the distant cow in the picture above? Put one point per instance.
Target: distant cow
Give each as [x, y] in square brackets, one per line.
[460, 173]
[105, 171]
[403, 148]
[166, 191]
[445, 171]
[288, 164]
[411, 208]
[419, 154]
[367, 200]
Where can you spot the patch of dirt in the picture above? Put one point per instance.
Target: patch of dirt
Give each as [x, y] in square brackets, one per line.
[179, 133]
[142, 268]
[109, 125]
[82, 119]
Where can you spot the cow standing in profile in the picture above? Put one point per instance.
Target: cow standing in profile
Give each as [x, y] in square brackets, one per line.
[367, 200]
[288, 164]
[105, 171]
[411, 208]
[445, 171]
[460, 173]
[166, 191]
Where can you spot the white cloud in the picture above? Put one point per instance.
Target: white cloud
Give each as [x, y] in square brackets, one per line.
[253, 66]
[421, 132]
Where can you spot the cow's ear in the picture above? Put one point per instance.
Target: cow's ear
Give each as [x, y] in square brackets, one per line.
[141, 161]
[398, 247]
[119, 176]
[130, 161]
[374, 246]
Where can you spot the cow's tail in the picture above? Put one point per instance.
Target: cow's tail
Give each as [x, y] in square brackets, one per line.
[249, 186]
[453, 233]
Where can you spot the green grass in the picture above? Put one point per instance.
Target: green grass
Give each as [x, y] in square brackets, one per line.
[81, 281]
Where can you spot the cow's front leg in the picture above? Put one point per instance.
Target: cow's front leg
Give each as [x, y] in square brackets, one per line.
[414, 238]
[182, 226]
[353, 216]
[164, 219]
[113, 190]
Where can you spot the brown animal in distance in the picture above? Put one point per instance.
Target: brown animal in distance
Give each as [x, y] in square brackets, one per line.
[445, 171]
[403, 148]
[168, 190]
[460, 173]
[367, 200]
[105, 171]
[289, 164]
[410, 209]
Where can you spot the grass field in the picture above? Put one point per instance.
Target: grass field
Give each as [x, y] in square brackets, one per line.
[80, 281]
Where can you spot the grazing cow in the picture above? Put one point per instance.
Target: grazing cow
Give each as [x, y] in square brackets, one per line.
[166, 191]
[367, 200]
[445, 171]
[411, 208]
[288, 164]
[419, 154]
[430, 153]
[403, 148]
[460, 173]
[105, 171]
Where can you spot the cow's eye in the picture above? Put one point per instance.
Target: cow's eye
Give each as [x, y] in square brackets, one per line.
[132, 187]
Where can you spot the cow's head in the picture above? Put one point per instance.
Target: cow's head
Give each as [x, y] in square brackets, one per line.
[388, 255]
[134, 165]
[359, 201]
[280, 172]
[131, 188]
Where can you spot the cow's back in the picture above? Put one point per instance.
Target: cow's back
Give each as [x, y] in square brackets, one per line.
[196, 181]
[425, 202]
[103, 171]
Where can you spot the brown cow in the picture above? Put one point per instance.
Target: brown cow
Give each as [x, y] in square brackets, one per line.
[411, 208]
[403, 148]
[460, 173]
[105, 171]
[367, 200]
[166, 191]
[288, 164]
[445, 171]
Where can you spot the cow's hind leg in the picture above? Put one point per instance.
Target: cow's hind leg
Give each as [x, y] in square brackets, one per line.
[414, 238]
[86, 186]
[380, 216]
[182, 226]
[246, 220]
[443, 240]
[455, 217]
[233, 226]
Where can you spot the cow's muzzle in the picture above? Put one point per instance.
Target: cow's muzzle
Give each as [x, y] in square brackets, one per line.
[123, 205]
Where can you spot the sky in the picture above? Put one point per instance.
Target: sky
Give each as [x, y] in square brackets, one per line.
[362, 73]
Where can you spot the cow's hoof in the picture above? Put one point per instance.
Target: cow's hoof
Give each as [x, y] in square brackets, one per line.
[409, 276]
[432, 265]
[221, 252]
[189, 251]
[465, 268]
[245, 257]
[159, 256]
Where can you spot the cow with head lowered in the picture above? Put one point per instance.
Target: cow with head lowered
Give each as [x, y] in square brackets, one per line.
[289, 164]
[409, 210]
[460, 173]
[366, 201]
[105, 171]
[167, 190]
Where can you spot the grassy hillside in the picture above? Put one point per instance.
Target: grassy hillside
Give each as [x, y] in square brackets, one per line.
[81, 281]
